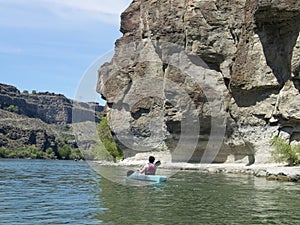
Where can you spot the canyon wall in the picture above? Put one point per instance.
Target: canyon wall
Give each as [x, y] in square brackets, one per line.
[49, 107]
[205, 80]
[43, 120]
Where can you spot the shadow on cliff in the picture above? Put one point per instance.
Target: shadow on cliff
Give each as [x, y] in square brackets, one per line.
[278, 34]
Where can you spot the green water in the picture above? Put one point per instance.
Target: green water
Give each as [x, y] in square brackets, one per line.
[194, 198]
[39, 192]
[65, 192]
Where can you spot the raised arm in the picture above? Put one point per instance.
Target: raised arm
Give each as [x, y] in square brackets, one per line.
[142, 170]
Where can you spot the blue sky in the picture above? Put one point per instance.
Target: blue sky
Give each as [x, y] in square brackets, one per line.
[49, 45]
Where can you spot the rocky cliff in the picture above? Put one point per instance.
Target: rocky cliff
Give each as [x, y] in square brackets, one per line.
[43, 120]
[49, 107]
[205, 80]
[17, 131]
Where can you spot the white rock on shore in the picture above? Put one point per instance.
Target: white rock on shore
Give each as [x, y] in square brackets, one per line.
[272, 171]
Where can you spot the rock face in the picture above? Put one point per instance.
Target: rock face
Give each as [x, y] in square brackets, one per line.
[49, 107]
[206, 80]
[43, 120]
[17, 131]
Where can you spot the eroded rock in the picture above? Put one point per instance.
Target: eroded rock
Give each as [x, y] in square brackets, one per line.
[206, 80]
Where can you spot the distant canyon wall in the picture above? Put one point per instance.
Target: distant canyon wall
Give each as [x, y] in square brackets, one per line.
[49, 107]
[206, 80]
[43, 120]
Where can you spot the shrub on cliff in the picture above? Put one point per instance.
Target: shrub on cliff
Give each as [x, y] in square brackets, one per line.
[284, 152]
[107, 139]
[13, 108]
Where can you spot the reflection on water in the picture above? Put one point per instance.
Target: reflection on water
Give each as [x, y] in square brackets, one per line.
[64, 192]
[194, 198]
[119, 174]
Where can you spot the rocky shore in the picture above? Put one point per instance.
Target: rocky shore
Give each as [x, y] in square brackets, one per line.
[271, 171]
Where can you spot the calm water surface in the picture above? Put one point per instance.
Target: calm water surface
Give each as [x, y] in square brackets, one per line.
[66, 192]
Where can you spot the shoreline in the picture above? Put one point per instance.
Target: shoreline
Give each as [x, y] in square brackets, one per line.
[271, 171]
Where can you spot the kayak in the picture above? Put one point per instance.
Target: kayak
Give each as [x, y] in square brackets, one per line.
[154, 178]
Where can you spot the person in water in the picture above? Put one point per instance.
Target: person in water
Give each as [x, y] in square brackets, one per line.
[150, 167]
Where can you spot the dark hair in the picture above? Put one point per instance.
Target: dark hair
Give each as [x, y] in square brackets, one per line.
[151, 159]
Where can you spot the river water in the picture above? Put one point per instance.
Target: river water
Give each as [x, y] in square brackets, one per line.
[67, 192]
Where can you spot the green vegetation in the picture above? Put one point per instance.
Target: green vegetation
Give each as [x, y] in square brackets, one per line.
[66, 152]
[50, 153]
[98, 152]
[284, 152]
[32, 152]
[13, 108]
[108, 143]
[65, 146]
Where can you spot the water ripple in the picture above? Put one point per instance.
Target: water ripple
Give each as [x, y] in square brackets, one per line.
[48, 192]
